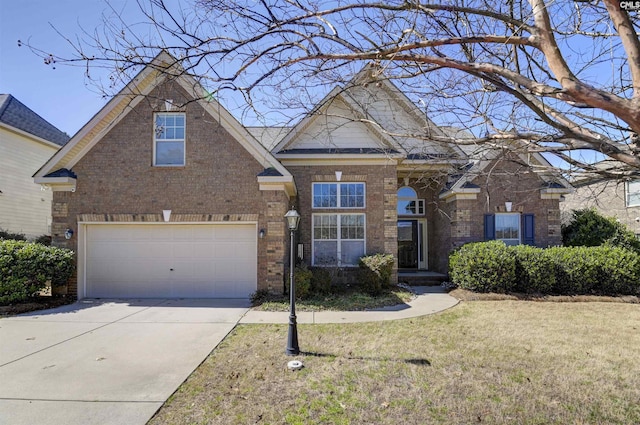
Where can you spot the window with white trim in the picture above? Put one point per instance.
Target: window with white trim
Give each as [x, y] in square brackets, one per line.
[633, 193]
[508, 228]
[338, 239]
[169, 139]
[408, 202]
[338, 195]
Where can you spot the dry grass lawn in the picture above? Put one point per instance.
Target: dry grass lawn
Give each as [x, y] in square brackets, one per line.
[491, 362]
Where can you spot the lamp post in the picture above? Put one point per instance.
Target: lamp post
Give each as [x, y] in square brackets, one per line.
[293, 218]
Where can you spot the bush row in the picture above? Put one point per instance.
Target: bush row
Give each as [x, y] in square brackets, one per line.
[494, 267]
[25, 268]
[373, 277]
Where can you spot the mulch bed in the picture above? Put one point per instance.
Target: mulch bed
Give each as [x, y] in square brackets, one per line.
[34, 304]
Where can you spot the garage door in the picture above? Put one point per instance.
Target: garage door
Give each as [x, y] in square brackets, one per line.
[170, 261]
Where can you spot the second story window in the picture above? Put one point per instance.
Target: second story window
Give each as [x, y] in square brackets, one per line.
[338, 195]
[169, 139]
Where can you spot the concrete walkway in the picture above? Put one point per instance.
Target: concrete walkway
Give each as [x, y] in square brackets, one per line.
[429, 300]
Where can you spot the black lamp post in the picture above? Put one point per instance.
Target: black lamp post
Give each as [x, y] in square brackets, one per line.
[293, 218]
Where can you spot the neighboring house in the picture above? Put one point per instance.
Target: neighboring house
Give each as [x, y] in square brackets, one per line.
[26, 142]
[612, 198]
[167, 197]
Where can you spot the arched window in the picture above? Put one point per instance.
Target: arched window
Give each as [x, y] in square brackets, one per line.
[408, 202]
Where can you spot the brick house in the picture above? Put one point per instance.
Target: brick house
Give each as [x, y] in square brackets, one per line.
[164, 196]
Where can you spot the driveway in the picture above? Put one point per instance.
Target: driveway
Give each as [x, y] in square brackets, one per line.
[105, 362]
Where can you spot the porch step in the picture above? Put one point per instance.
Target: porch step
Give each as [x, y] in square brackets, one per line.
[421, 278]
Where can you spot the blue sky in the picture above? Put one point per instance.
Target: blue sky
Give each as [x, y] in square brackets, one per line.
[58, 95]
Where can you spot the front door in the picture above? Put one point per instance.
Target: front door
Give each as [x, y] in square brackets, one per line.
[407, 244]
[411, 244]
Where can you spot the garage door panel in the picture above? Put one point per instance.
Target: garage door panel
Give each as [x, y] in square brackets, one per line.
[136, 260]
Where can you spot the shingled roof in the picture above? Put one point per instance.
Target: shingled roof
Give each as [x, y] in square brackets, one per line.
[17, 115]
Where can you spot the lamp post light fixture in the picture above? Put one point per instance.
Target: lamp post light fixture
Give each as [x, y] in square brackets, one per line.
[293, 218]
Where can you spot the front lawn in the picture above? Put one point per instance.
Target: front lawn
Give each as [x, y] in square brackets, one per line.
[490, 362]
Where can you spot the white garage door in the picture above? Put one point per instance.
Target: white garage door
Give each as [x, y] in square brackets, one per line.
[170, 260]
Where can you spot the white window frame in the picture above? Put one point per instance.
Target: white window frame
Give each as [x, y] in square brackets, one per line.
[182, 140]
[635, 194]
[419, 203]
[509, 241]
[338, 195]
[338, 239]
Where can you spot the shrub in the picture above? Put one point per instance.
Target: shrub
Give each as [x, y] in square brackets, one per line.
[589, 228]
[575, 270]
[44, 240]
[321, 280]
[605, 270]
[4, 234]
[375, 272]
[619, 271]
[483, 267]
[26, 267]
[302, 276]
[534, 270]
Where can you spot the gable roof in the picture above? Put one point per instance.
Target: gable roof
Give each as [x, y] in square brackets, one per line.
[162, 67]
[15, 114]
[372, 103]
[481, 156]
[335, 105]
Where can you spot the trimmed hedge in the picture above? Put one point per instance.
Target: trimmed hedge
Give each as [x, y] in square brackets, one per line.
[483, 267]
[494, 267]
[25, 268]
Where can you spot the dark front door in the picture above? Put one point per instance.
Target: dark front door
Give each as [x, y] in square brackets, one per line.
[407, 244]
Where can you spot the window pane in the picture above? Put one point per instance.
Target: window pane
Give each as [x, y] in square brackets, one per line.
[169, 126]
[325, 227]
[508, 227]
[407, 192]
[351, 251]
[352, 226]
[325, 195]
[352, 195]
[169, 153]
[325, 252]
[406, 207]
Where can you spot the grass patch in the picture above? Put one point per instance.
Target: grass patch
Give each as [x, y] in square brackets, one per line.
[351, 300]
[480, 362]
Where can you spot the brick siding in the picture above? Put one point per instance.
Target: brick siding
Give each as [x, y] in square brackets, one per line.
[116, 177]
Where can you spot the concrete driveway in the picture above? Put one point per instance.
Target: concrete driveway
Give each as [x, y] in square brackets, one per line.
[105, 362]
